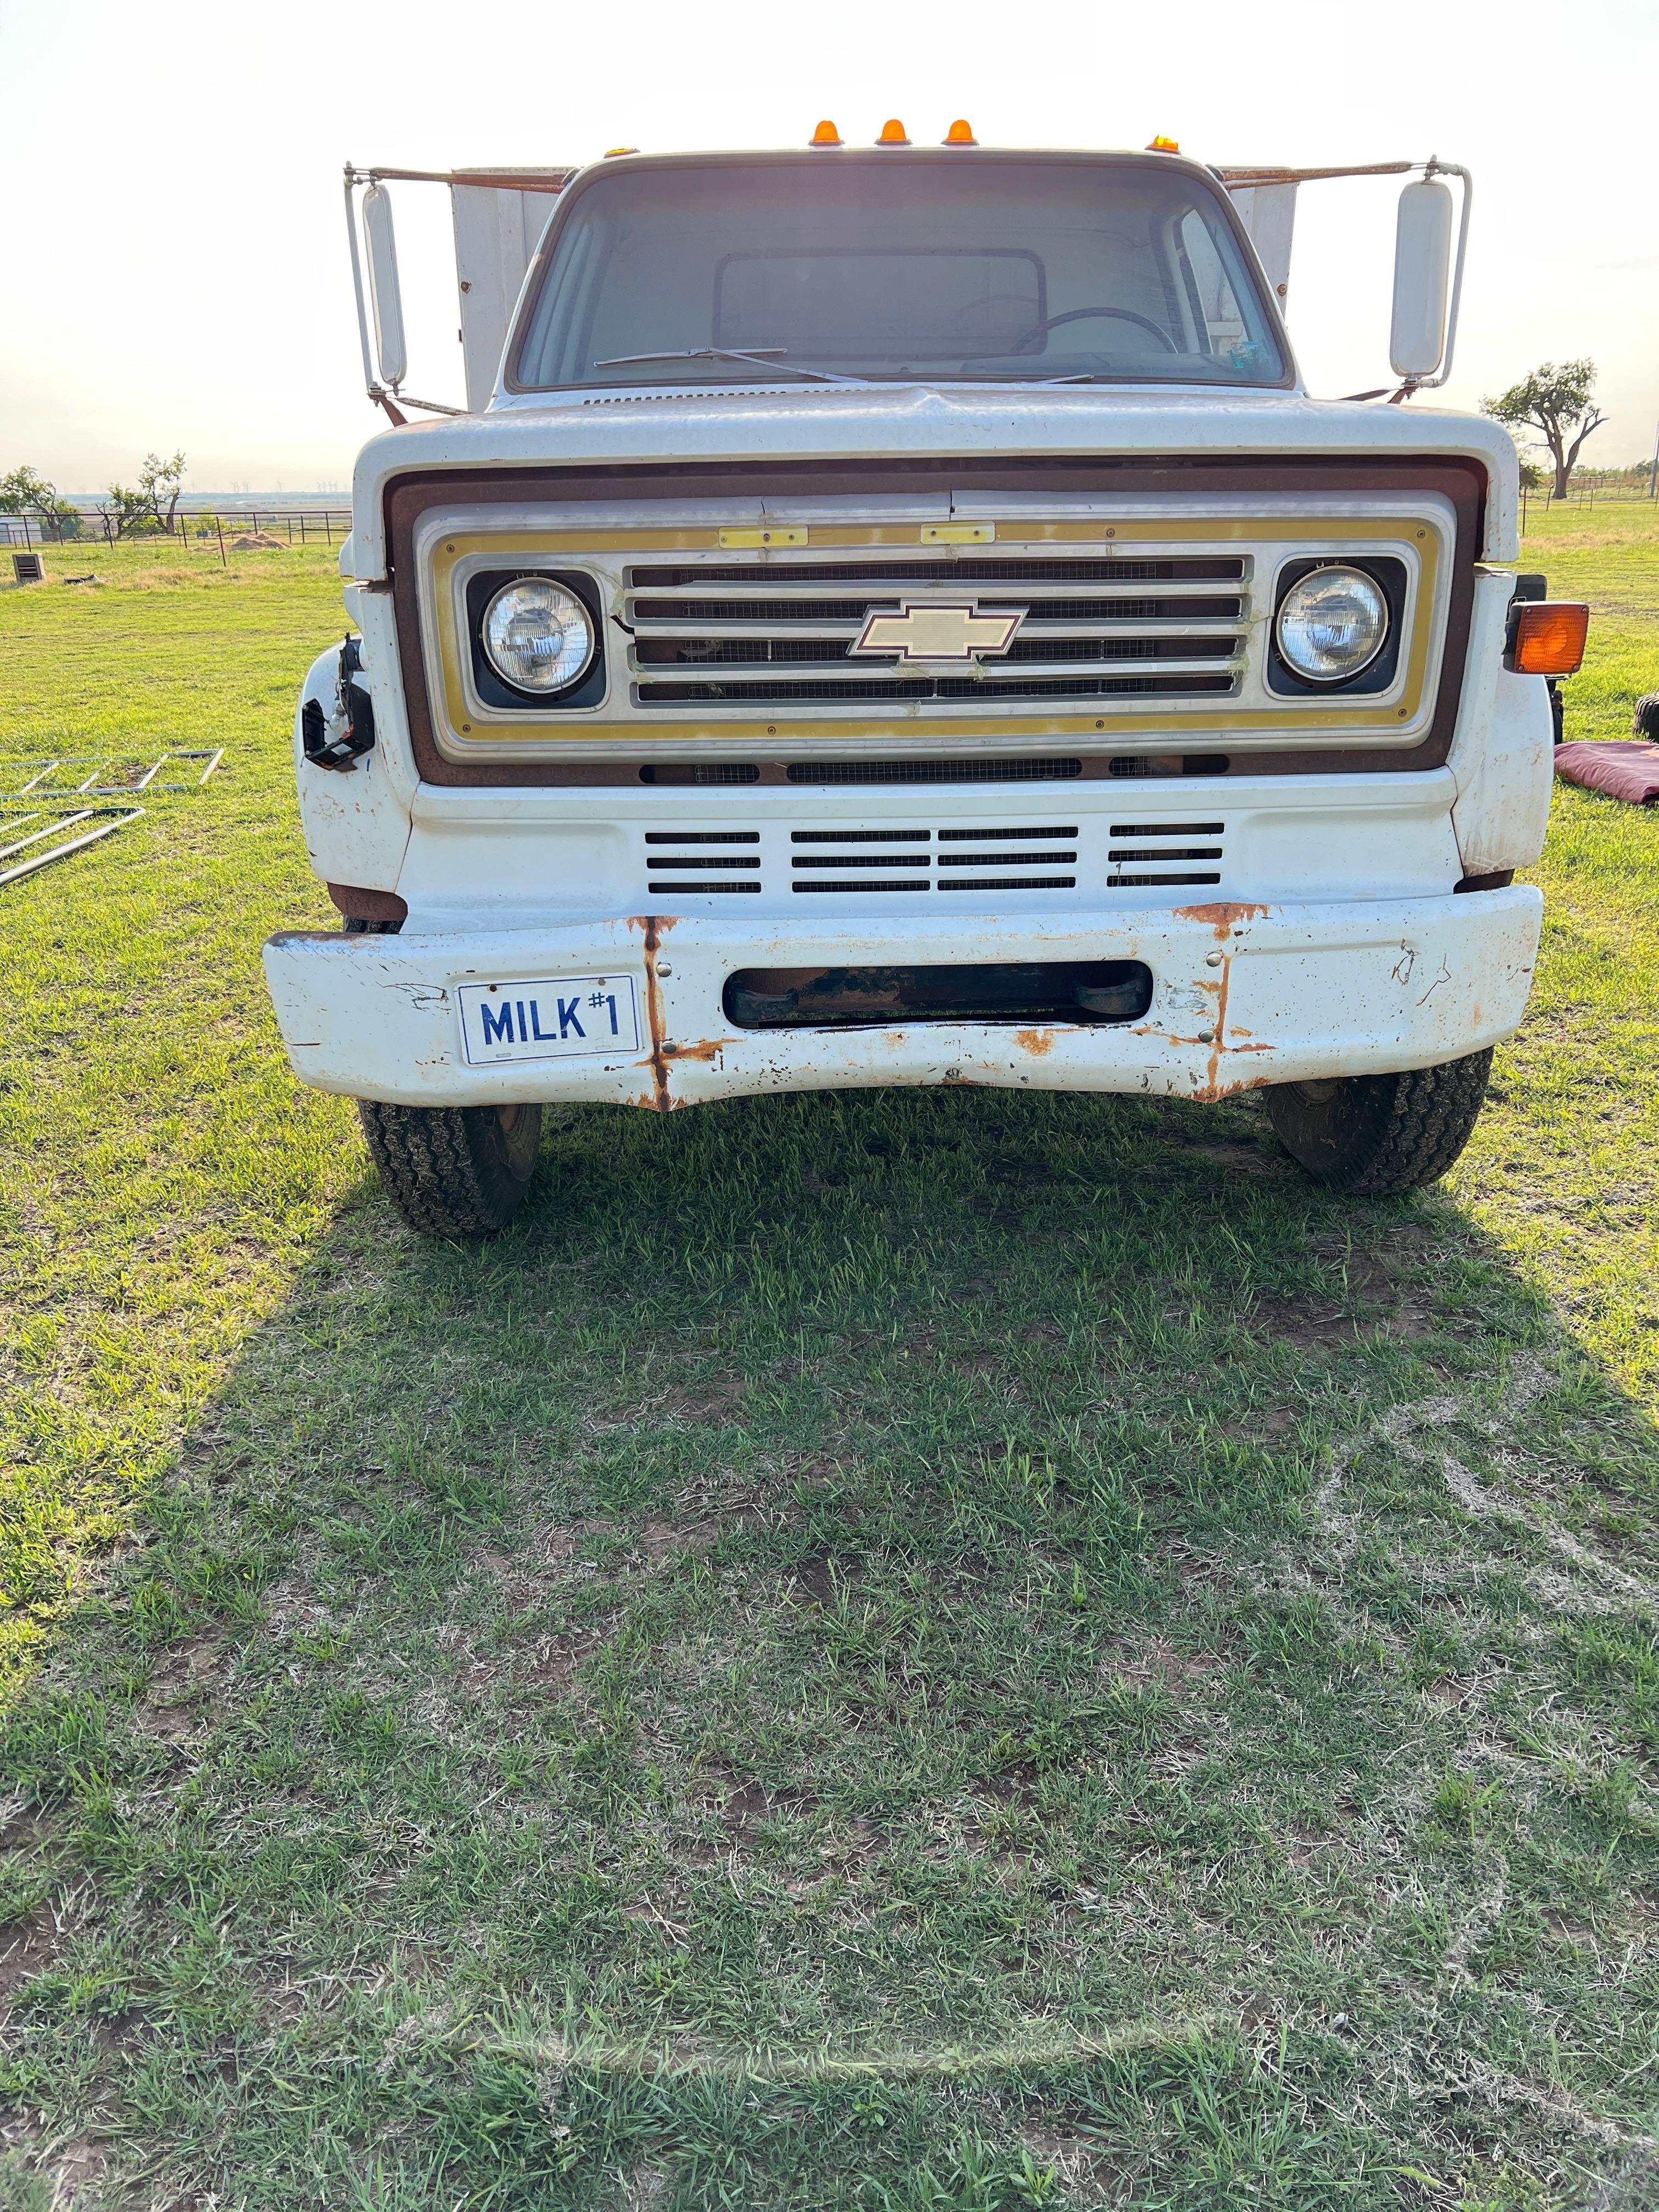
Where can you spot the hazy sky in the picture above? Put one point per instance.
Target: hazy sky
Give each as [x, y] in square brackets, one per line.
[172, 257]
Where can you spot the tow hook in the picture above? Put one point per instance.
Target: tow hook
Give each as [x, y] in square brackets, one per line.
[338, 740]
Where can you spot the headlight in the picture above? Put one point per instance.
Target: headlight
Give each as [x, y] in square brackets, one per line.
[1333, 625]
[538, 636]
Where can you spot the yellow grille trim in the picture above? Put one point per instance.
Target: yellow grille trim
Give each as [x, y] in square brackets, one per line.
[1020, 724]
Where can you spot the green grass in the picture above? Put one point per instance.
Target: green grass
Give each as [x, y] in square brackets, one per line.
[933, 1649]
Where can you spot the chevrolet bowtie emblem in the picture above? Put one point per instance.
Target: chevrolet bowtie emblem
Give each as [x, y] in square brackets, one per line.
[935, 629]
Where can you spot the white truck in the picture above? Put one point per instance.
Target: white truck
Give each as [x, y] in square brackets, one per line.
[894, 615]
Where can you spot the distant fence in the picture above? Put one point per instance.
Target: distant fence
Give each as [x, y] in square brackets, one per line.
[300, 525]
[303, 525]
[1587, 493]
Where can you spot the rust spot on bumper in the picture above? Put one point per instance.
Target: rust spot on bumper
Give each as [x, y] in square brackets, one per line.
[1213, 1093]
[661, 1098]
[1221, 917]
[1035, 1042]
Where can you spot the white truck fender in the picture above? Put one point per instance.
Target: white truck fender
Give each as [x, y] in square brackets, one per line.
[355, 821]
[1503, 748]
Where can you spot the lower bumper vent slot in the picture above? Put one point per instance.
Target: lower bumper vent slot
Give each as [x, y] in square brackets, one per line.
[1162, 852]
[701, 861]
[1016, 993]
[962, 861]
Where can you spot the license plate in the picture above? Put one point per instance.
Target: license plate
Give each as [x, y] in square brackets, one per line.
[549, 1017]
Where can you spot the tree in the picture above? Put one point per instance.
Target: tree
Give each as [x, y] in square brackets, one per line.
[1556, 402]
[126, 514]
[149, 508]
[159, 480]
[26, 492]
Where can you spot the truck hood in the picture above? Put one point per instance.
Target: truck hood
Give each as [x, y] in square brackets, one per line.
[637, 429]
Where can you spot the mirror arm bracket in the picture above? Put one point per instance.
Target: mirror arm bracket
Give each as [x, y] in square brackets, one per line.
[1436, 168]
[393, 400]
[372, 385]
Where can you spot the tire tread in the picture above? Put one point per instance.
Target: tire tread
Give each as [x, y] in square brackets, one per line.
[1390, 1133]
[429, 1165]
[1432, 1117]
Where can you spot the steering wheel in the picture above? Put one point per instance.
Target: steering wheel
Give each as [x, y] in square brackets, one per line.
[980, 307]
[1085, 314]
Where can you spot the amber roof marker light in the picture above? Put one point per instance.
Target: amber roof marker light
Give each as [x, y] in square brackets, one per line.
[1547, 637]
[893, 133]
[1162, 145]
[960, 134]
[825, 134]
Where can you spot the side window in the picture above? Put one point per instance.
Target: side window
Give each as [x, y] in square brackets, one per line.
[1215, 304]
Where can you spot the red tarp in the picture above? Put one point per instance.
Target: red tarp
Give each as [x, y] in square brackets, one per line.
[1625, 768]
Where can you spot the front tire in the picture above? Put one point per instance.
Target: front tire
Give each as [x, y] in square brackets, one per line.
[1378, 1136]
[454, 1171]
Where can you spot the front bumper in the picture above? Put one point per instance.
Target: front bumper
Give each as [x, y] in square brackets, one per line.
[1243, 996]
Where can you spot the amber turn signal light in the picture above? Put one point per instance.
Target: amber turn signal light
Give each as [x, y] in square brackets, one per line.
[1547, 637]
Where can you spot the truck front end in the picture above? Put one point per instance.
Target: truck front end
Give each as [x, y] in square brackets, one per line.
[900, 620]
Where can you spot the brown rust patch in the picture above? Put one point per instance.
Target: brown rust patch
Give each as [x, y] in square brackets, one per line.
[1213, 1093]
[710, 1051]
[1035, 1042]
[661, 1100]
[1218, 1039]
[1221, 917]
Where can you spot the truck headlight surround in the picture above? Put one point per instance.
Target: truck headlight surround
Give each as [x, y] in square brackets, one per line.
[1332, 624]
[538, 636]
[1392, 582]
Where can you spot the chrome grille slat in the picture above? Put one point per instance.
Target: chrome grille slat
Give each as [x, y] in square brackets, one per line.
[662, 606]
[655, 673]
[870, 691]
[966, 568]
[746, 626]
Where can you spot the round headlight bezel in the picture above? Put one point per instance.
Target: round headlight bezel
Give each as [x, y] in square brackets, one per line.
[568, 671]
[1327, 679]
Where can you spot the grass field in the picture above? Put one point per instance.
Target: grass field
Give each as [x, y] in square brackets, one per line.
[941, 1649]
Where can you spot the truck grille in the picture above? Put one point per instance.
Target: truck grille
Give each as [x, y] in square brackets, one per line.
[1096, 629]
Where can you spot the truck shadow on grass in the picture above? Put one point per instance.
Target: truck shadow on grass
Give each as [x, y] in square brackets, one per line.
[948, 1649]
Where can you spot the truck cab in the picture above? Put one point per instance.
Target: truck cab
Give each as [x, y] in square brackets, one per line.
[897, 617]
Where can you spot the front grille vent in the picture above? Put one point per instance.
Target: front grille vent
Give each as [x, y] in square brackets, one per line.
[702, 862]
[839, 861]
[698, 773]
[780, 633]
[1144, 854]
[939, 861]
[935, 771]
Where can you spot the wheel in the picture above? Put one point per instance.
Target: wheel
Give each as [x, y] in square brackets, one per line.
[1646, 724]
[454, 1171]
[1378, 1135]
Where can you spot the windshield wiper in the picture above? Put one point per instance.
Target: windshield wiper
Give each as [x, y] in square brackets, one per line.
[756, 354]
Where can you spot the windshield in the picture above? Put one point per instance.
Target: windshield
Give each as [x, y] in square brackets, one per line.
[884, 265]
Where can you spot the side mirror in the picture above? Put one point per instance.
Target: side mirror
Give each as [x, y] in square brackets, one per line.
[385, 292]
[1422, 274]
